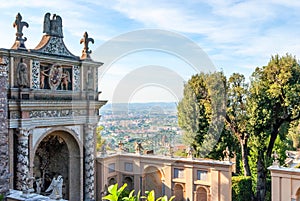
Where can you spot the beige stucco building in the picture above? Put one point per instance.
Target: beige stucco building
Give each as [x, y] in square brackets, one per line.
[186, 178]
[285, 183]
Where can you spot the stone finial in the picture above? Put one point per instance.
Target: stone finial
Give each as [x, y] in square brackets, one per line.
[19, 24]
[275, 159]
[226, 154]
[138, 147]
[85, 40]
[190, 151]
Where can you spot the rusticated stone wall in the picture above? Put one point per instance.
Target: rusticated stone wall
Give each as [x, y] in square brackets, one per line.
[4, 153]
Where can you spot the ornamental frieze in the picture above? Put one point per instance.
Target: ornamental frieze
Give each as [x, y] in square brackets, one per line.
[56, 46]
[56, 113]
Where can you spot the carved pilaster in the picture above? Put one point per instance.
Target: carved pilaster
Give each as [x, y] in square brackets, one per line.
[76, 78]
[22, 168]
[89, 162]
[4, 149]
[35, 71]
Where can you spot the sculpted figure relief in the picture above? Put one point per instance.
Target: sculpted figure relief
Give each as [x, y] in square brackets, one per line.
[56, 187]
[53, 26]
[22, 74]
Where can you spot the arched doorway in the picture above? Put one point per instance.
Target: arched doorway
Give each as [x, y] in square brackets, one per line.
[112, 181]
[201, 194]
[129, 181]
[298, 195]
[152, 180]
[178, 192]
[59, 153]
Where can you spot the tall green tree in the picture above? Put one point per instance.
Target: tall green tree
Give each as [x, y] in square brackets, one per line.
[274, 100]
[194, 111]
[237, 117]
[200, 111]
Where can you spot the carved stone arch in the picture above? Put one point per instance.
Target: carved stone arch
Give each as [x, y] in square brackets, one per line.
[202, 193]
[152, 179]
[179, 191]
[63, 129]
[67, 149]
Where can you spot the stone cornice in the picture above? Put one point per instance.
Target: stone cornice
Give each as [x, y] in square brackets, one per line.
[50, 122]
[29, 105]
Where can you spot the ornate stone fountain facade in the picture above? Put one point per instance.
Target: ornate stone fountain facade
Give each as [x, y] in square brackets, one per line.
[48, 95]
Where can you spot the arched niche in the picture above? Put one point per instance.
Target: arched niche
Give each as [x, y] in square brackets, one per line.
[60, 152]
[202, 194]
[152, 180]
[178, 192]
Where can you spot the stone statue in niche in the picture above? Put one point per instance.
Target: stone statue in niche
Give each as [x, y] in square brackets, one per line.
[22, 74]
[53, 26]
[56, 187]
[90, 79]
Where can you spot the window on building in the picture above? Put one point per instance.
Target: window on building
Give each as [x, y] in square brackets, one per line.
[111, 167]
[128, 167]
[201, 174]
[178, 173]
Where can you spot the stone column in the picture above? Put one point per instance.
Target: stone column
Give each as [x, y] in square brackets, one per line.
[89, 162]
[22, 168]
[4, 153]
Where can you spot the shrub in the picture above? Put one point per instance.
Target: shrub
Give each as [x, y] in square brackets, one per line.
[116, 194]
[241, 188]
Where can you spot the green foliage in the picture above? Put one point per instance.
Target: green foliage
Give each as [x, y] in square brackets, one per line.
[1, 197]
[294, 133]
[226, 140]
[241, 188]
[116, 194]
[99, 141]
[273, 104]
[200, 111]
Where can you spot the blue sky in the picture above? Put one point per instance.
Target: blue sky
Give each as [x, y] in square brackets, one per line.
[237, 36]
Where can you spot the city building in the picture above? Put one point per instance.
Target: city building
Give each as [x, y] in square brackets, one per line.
[185, 178]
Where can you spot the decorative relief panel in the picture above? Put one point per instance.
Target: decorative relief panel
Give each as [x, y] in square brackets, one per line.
[55, 77]
[35, 74]
[56, 113]
[4, 61]
[14, 115]
[50, 113]
[56, 46]
[76, 78]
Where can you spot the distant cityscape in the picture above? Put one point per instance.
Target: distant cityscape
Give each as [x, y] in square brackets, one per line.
[154, 125]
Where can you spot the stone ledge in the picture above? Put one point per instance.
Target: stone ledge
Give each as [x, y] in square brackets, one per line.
[15, 195]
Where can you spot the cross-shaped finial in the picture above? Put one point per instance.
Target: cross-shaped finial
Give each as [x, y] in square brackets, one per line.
[19, 24]
[85, 40]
